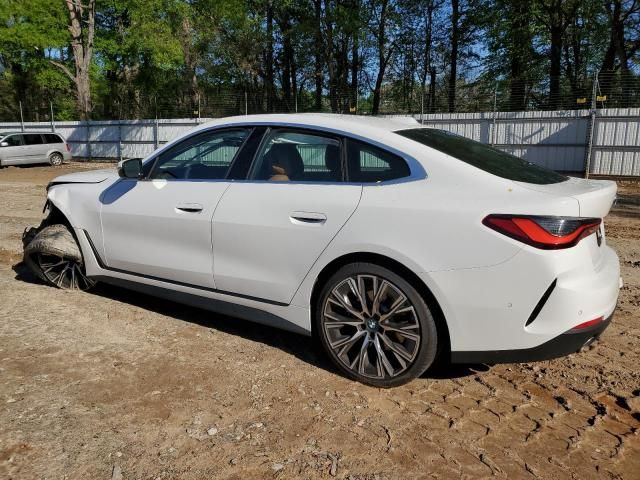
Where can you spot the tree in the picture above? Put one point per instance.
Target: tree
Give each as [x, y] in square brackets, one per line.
[82, 20]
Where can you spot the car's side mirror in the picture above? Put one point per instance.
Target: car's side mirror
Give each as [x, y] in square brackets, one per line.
[131, 168]
[4, 144]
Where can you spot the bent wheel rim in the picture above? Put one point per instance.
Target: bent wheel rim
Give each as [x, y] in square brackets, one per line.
[371, 326]
[64, 272]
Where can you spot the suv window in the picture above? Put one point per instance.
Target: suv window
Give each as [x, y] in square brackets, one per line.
[52, 138]
[32, 139]
[483, 156]
[369, 164]
[298, 156]
[206, 156]
[14, 140]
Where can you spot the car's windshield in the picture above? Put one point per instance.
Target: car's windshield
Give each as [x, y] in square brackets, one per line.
[483, 156]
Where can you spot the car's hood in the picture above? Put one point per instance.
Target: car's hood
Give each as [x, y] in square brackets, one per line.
[90, 176]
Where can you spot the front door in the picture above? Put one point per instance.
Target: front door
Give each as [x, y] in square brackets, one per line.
[268, 231]
[161, 226]
[15, 150]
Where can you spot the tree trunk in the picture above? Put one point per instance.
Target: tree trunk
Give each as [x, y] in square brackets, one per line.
[82, 29]
[432, 91]
[269, 60]
[382, 58]
[355, 65]
[287, 60]
[318, 54]
[555, 69]
[426, 61]
[455, 40]
[519, 54]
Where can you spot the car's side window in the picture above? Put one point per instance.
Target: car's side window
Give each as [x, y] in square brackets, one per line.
[52, 138]
[296, 156]
[369, 164]
[14, 140]
[206, 156]
[32, 139]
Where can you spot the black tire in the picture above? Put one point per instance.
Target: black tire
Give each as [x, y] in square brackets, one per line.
[393, 331]
[55, 257]
[56, 159]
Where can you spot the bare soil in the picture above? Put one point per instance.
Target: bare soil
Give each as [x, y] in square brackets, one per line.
[114, 384]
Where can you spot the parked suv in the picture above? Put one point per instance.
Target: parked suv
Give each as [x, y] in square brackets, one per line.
[27, 148]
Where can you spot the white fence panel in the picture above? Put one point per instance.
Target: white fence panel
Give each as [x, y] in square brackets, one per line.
[557, 140]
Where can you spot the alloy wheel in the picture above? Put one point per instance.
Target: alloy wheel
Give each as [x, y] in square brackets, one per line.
[64, 272]
[56, 159]
[371, 326]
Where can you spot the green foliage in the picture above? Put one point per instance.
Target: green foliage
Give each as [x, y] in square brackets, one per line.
[212, 57]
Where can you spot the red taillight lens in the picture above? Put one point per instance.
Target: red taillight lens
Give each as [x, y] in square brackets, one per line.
[68, 147]
[549, 233]
[589, 324]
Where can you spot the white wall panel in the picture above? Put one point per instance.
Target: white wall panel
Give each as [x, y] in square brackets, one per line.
[555, 140]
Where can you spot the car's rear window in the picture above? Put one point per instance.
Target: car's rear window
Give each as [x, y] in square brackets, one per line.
[483, 156]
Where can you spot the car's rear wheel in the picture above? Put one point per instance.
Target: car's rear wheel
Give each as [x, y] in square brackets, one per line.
[54, 256]
[375, 326]
[55, 159]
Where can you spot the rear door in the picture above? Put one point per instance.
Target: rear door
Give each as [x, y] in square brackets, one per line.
[160, 227]
[269, 230]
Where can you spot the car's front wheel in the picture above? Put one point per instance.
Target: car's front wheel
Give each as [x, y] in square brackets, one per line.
[54, 256]
[375, 326]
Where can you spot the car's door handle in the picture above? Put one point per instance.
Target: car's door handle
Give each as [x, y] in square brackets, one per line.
[308, 217]
[189, 207]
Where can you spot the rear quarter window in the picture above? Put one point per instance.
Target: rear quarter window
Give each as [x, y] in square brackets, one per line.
[484, 157]
[52, 138]
[369, 164]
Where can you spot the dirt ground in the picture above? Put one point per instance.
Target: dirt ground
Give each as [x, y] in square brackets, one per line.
[118, 385]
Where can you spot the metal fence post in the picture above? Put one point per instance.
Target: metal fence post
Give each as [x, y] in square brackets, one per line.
[119, 140]
[156, 141]
[88, 138]
[591, 127]
[21, 118]
[495, 114]
[246, 103]
[53, 122]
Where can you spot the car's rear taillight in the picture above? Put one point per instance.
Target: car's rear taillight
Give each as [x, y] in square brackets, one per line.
[68, 147]
[549, 233]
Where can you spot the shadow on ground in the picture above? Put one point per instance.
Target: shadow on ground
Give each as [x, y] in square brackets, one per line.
[300, 346]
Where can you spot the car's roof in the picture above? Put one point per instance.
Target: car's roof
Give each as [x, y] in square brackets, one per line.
[353, 123]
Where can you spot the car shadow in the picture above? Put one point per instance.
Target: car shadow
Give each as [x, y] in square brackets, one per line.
[304, 348]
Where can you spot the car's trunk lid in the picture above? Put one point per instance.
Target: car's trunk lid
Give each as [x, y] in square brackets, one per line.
[595, 197]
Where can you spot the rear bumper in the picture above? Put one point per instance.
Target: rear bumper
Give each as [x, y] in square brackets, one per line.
[569, 342]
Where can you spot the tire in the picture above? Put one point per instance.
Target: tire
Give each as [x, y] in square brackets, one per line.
[56, 159]
[54, 256]
[394, 321]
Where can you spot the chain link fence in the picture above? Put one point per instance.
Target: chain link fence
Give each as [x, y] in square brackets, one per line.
[402, 96]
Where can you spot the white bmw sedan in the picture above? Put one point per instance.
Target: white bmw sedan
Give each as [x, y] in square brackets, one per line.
[391, 243]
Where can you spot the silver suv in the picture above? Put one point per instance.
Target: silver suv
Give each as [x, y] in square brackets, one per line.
[25, 148]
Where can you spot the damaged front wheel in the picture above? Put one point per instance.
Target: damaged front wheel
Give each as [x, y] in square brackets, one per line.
[54, 256]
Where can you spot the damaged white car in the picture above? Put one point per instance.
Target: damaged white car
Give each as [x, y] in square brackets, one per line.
[390, 242]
